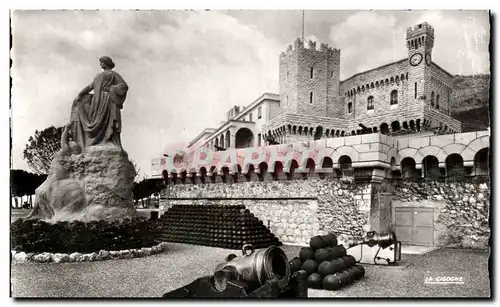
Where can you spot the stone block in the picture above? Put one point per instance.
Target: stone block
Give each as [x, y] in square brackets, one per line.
[419, 142]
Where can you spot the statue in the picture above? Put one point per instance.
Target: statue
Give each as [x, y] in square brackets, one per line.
[96, 117]
[91, 177]
[59, 193]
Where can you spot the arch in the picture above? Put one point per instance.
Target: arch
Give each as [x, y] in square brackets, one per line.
[418, 124]
[475, 146]
[294, 129]
[392, 80]
[263, 168]
[432, 150]
[221, 141]
[345, 151]
[345, 164]
[454, 166]
[482, 162]
[250, 172]
[394, 97]
[372, 85]
[430, 167]
[432, 98]
[402, 77]
[292, 168]
[310, 166]
[387, 81]
[278, 169]
[228, 139]
[405, 125]
[311, 130]
[326, 162]
[353, 132]
[300, 130]
[203, 172]
[412, 125]
[164, 175]
[363, 88]
[244, 138]
[395, 126]
[337, 133]
[382, 82]
[397, 80]
[375, 130]
[349, 107]
[319, 133]
[376, 84]
[384, 128]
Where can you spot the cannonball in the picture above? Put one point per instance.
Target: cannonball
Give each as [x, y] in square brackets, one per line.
[330, 240]
[332, 282]
[344, 276]
[349, 261]
[352, 274]
[361, 271]
[339, 251]
[331, 253]
[309, 266]
[295, 265]
[315, 281]
[316, 243]
[337, 265]
[321, 255]
[326, 268]
[306, 253]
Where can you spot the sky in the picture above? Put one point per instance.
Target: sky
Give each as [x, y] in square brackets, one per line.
[186, 69]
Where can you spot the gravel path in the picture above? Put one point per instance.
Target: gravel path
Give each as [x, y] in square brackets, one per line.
[154, 275]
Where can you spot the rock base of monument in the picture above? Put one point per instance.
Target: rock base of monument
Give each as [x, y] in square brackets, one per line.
[93, 185]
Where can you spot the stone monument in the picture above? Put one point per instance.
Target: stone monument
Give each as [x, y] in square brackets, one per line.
[91, 177]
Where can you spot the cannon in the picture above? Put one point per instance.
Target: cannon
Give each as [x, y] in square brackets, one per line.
[375, 248]
[256, 274]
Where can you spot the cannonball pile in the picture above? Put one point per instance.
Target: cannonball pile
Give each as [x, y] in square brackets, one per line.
[327, 264]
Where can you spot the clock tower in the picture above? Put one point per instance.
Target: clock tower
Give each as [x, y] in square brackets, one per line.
[419, 41]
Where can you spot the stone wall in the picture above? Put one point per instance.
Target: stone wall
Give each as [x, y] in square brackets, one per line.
[295, 210]
[461, 210]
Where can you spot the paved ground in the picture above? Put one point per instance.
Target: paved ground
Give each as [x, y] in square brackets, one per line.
[153, 276]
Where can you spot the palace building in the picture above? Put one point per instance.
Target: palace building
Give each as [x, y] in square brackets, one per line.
[411, 95]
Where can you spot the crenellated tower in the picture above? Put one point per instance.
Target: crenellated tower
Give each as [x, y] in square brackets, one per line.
[419, 41]
[309, 80]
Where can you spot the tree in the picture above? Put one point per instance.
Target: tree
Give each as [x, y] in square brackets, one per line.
[23, 183]
[41, 149]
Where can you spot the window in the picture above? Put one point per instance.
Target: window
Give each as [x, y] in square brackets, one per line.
[311, 97]
[369, 106]
[349, 108]
[415, 90]
[331, 74]
[312, 72]
[432, 99]
[259, 112]
[287, 100]
[394, 97]
[437, 102]
[259, 137]
[287, 75]
[250, 117]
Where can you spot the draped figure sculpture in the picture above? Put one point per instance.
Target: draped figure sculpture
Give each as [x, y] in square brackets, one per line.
[96, 118]
[91, 177]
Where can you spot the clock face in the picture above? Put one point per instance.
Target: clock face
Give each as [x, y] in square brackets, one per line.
[416, 59]
[428, 59]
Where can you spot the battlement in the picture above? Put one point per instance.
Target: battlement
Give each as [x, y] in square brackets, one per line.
[422, 28]
[299, 45]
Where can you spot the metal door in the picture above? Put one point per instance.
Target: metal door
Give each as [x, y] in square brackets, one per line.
[415, 226]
